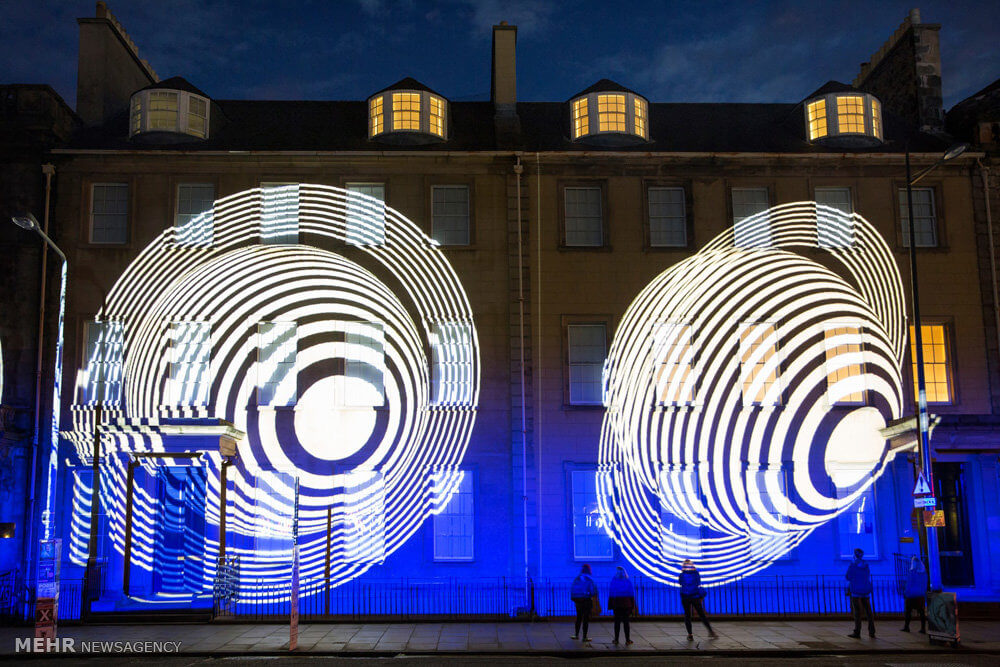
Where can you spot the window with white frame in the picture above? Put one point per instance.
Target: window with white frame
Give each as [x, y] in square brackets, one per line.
[591, 540]
[454, 524]
[759, 364]
[362, 516]
[674, 377]
[364, 369]
[279, 213]
[450, 214]
[193, 219]
[366, 214]
[845, 363]
[924, 217]
[587, 350]
[856, 526]
[834, 224]
[451, 363]
[100, 380]
[190, 355]
[583, 217]
[681, 512]
[277, 347]
[751, 229]
[767, 512]
[667, 217]
[109, 213]
[163, 110]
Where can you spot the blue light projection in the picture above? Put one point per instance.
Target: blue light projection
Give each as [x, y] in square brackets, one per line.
[745, 389]
[335, 335]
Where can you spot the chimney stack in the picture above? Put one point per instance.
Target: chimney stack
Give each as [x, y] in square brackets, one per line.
[503, 87]
[905, 74]
[503, 90]
[109, 69]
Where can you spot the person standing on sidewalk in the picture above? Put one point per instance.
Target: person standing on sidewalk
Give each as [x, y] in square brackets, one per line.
[583, 592]
[692, 597]
[915, 594]
[621, 600]
[859, 587]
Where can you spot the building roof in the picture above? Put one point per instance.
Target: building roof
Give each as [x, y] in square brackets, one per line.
[606, 85]
[343, 126]
[409, 83]
[983, 106]
[833, 87]
[175, 83]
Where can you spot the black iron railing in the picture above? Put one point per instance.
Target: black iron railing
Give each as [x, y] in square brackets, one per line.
[504, 598]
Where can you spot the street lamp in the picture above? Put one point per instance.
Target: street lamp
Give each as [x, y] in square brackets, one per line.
[29, 222]
[928, 543]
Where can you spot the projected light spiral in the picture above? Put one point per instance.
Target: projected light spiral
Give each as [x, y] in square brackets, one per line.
[360, 305]
[745, 389]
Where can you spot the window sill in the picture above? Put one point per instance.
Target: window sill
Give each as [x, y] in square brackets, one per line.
[586, 248]
[583, 406]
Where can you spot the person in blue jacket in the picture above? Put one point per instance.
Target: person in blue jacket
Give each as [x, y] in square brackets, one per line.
[692, 597]
[915, 594]
[582, 591]
[621, 600]
[859, 587]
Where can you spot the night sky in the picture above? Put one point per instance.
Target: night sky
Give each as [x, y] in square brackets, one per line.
[347, 49]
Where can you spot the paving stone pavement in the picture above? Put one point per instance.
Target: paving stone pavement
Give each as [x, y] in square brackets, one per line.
[548, 637]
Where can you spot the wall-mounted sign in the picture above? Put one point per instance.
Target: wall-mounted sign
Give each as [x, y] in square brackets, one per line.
[934, 519]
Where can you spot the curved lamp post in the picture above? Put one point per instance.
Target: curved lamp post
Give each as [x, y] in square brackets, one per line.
[28, 221]
[929, 544]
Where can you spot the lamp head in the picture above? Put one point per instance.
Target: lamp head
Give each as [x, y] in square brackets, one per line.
[26, 221]
[955, 151]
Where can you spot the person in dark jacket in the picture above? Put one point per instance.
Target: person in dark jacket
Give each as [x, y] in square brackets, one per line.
[915, 594]
[859, 587]
[692, 597]
[582, 591]
[621, 600]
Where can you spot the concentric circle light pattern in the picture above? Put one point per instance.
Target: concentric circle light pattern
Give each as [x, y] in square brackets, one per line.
[745, 389]
[332, 332]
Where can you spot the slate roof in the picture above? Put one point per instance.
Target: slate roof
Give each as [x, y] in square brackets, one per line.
[606, 86]
[983, 106]
[409, 83]
[175, 83]
[342, 126]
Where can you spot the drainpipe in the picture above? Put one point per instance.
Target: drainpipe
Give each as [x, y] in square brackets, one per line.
[29, 536]
[985, 173]
[518, 171]
[537, 355]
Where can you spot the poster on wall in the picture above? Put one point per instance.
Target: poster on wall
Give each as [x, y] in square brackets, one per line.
[942, 617]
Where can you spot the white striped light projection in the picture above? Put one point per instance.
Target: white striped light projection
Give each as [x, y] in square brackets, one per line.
[312, 322]
[739, 382]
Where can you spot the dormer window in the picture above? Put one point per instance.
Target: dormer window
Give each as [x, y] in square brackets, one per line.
[174, 111]
[844, 118]
[622, 117]
[407, 116]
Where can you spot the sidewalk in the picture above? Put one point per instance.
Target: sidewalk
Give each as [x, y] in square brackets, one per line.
[543, 638]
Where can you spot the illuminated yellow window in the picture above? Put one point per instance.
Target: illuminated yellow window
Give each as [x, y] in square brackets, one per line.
[437, 116]
[197, 119]
[136, 114]
[581, 121]
[611, 113]
[845, 366]
[673, 363]
[162, 111]
[375, 118]
[877, 118]
[640, 117]
[851, 114]
[759, 364]
[817, 119]
[406, 111]
[937, 362]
